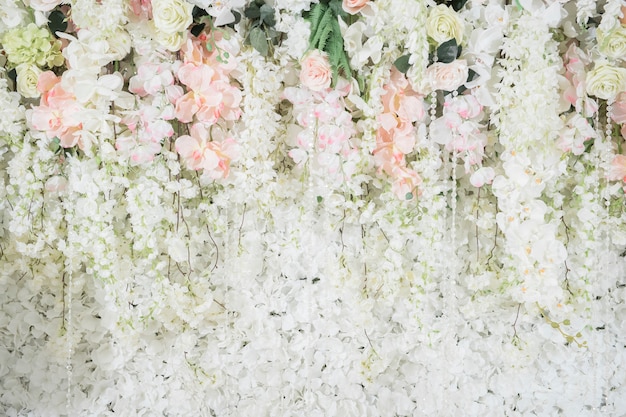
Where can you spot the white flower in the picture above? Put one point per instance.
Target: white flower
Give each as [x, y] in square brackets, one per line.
[44, 5]
[613, 43]
[482, 176]
[171, 41]
[171, 16]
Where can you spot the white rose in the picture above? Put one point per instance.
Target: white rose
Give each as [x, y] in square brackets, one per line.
[172, 41]
[606, 81]
[447, 77]
[444, 24]
[613, 43]
[27, 76]
[171, 16]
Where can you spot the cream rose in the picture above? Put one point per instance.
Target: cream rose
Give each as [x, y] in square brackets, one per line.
[606, 81]
[444, 24]
[447, 77]
[316, 71]
[27, 77]
[353, 6]
[613, 43]
[171, 16]
[171, 41]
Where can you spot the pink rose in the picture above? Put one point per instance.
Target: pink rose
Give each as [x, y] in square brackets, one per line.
[354, 6]
[316, 72]
[447, 77]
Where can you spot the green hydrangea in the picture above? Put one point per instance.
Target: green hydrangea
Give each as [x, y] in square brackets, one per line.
[32, 45]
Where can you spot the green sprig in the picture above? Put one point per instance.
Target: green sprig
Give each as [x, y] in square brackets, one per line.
[326, 36]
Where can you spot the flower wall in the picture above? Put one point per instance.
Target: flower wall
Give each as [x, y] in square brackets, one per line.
[285, 208]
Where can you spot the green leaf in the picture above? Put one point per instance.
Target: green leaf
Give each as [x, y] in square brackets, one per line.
[566, 322]
[337, 8]
[471, 75]
[409, 196]
[447, 51]
[319, 198]
[56, 22]
[402, 63]
[315, 17]
[267, 15]
[197, 29]
[252, 12]
[258, 41]
[458, 4]
[555, 325]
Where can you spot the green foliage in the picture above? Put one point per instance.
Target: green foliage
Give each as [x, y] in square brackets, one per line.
[455, 4]
[402, 63]
[448, 51]
[57, 22]
[258, 40]
[326, 35]
[262, 35]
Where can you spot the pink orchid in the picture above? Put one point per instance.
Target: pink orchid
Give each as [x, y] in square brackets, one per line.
[208, 98]
[57, 113]
[150, 79]
[199, 152]
[406, 183]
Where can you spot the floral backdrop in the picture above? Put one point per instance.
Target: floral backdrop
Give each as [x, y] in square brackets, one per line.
[296, 208]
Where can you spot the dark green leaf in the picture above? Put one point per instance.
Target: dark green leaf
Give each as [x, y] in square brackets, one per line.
[402, 63]
[237, 16]
[57, 22]
[267, 15]
[197, 29]
[258, 41]
[472, 75]
[198, 13]
[458, 4]
[409, 196]
[319, 198]
[252, 12]
[447, 51]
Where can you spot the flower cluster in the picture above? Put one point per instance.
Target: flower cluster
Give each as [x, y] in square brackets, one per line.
[396, 137]
[286, 207]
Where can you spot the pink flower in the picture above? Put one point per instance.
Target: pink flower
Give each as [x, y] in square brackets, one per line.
[405, 183]
[316, 72]
[353, 6]
[209, 97]
[199, 152]
[57, 113]
[447, 77]
[618, 168]
[618, 114]
[142, 8]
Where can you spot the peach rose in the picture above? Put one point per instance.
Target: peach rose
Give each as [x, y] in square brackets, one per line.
[354, 6]
[316, 71]
[447, 77]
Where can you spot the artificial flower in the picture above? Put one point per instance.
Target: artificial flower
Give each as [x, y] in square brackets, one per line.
[316, 73]
[353, 6]
[444, 24]
[606, 81]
